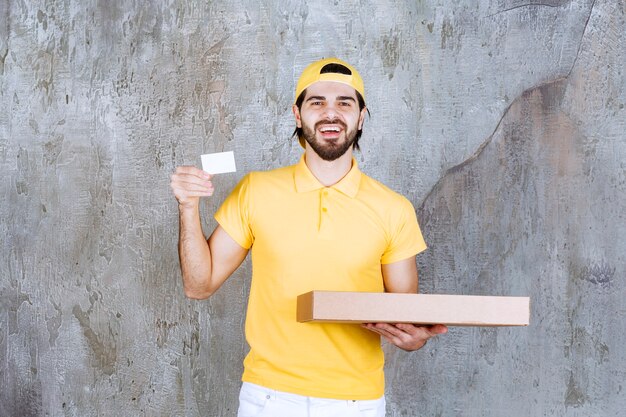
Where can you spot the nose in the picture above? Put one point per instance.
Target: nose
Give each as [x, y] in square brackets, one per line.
[330, 112]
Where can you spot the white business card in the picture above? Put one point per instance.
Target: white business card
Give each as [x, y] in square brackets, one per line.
[218, 163]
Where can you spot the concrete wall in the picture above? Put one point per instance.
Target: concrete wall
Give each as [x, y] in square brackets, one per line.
[503, 121]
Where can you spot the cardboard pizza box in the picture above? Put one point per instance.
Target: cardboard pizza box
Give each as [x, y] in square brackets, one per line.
[451, 310]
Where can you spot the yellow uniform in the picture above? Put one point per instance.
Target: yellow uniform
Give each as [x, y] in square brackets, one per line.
[303, 237]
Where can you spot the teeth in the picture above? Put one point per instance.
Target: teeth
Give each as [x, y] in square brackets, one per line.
[329, 129]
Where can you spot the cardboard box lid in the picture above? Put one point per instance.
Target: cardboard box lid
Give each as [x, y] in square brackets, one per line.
[451, 310]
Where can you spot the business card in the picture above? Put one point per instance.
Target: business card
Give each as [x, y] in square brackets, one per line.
[218, 163]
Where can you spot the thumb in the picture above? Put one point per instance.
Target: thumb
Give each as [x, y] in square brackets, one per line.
[438, 329]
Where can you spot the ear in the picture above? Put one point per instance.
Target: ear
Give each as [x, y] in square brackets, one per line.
[362, 117]
[296, 113]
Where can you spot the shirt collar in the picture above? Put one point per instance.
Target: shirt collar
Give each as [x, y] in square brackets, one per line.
[305, 180]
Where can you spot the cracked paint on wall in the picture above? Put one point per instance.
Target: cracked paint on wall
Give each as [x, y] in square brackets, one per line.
[502, 121]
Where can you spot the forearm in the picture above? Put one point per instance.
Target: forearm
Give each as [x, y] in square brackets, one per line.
[194, 254]
[402, 277]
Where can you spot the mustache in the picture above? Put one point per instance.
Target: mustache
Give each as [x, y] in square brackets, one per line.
[331, 122]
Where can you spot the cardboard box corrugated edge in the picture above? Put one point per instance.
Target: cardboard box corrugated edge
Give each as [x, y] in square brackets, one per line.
[304, 307]
[453, 310]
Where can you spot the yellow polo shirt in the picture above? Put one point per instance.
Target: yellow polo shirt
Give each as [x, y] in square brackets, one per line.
[303, 237]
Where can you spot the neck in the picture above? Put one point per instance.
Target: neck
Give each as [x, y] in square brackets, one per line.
[328, 173]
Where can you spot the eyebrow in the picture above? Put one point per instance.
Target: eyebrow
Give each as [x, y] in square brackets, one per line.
[339, 98]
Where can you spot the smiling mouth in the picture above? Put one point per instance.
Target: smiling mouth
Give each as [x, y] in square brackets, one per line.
[330, 129]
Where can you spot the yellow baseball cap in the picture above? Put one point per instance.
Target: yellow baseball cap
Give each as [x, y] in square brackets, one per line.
[317, 72]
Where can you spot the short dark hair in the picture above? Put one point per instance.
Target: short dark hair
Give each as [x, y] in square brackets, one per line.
[298, 130]
[333, 67]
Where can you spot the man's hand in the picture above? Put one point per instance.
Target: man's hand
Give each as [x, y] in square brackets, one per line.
[406, 336]
[189, 184]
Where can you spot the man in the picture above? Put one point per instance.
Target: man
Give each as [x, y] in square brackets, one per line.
[318, 225]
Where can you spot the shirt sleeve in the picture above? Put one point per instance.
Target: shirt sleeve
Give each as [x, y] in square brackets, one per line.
[234, 214]
[405, 238]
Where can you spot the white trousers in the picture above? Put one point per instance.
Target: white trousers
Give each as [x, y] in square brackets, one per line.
[257, 401]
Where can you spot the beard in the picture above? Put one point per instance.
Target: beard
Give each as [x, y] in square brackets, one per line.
[332, 149]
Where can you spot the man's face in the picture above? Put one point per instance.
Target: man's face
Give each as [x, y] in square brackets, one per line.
[330, 118]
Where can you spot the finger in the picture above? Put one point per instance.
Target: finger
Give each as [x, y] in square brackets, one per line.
[185, 187]
[190, 179]
[193, 194]
[434, 329]
[192, 170]
[191, 186]
[390, 332]
[186, 194]
[409, 328]
[399, 329]
[429, 330]
[410, 333]
[438, 329]
[374, 328]
[191, 191]
[386, 335]
[393, 329]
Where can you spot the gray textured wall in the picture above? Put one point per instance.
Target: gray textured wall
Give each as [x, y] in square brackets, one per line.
[503, 121]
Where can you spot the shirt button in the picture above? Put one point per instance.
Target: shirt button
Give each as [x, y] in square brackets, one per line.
[324, 209]
[325, 192]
